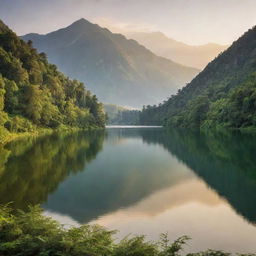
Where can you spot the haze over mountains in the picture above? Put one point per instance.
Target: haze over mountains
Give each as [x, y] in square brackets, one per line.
[117, 70]
[223, 94]
[197, 56]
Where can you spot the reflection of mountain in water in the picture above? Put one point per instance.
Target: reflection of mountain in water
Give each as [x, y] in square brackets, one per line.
[125, 172]
[226, 162]
[30, 169]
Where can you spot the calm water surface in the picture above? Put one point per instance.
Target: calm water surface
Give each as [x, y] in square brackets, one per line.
[141, 181]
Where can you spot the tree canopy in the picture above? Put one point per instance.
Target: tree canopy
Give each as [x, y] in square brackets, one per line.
[33, 93]
[223, 94]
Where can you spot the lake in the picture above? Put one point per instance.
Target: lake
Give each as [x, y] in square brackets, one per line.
[141, 181]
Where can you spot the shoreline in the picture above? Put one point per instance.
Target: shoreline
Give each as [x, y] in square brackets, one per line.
[41, 132]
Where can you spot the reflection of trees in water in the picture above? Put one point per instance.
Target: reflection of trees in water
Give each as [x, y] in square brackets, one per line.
[32, 168]
[225, 161]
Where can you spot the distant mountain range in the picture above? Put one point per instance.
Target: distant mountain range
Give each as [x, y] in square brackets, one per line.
[189, 55]
[117, 70]
[223, 94]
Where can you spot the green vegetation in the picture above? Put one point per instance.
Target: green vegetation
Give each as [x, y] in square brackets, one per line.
[222, 95]
[121, 116]
[34, 94]
[31, 233]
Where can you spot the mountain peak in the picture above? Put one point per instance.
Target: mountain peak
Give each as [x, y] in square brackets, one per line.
[109, 63]
[81, 22]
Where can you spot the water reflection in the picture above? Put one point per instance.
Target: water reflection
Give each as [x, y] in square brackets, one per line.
[32, 168]
[141, 181]
[124, 173]
[225, 161]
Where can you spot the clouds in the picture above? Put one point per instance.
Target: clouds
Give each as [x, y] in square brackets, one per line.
[124, 27]
[191, 21]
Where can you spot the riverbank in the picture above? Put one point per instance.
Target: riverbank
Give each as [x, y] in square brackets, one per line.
[6, 136]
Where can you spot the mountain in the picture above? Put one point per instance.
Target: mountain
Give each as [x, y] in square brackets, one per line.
[223, 94]
[117, 70]
[197, 56]
[34, 94]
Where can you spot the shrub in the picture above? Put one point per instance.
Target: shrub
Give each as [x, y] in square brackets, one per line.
[31, 233]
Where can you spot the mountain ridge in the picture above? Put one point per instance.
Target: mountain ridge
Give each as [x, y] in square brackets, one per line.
[223, 94]
[108, 62]
[190, 55]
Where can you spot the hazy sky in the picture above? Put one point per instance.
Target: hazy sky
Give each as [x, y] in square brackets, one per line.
[190, 21]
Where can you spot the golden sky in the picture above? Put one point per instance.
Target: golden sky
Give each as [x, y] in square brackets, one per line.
[191, 21]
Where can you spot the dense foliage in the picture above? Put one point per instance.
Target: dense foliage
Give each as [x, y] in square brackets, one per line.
[33, 93]
[31, 233]
[223, 94]
[117, 115]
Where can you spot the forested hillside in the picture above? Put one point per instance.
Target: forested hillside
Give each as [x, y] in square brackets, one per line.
[33, 93]
[119, 71]
[117, 115]
[223, 94]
